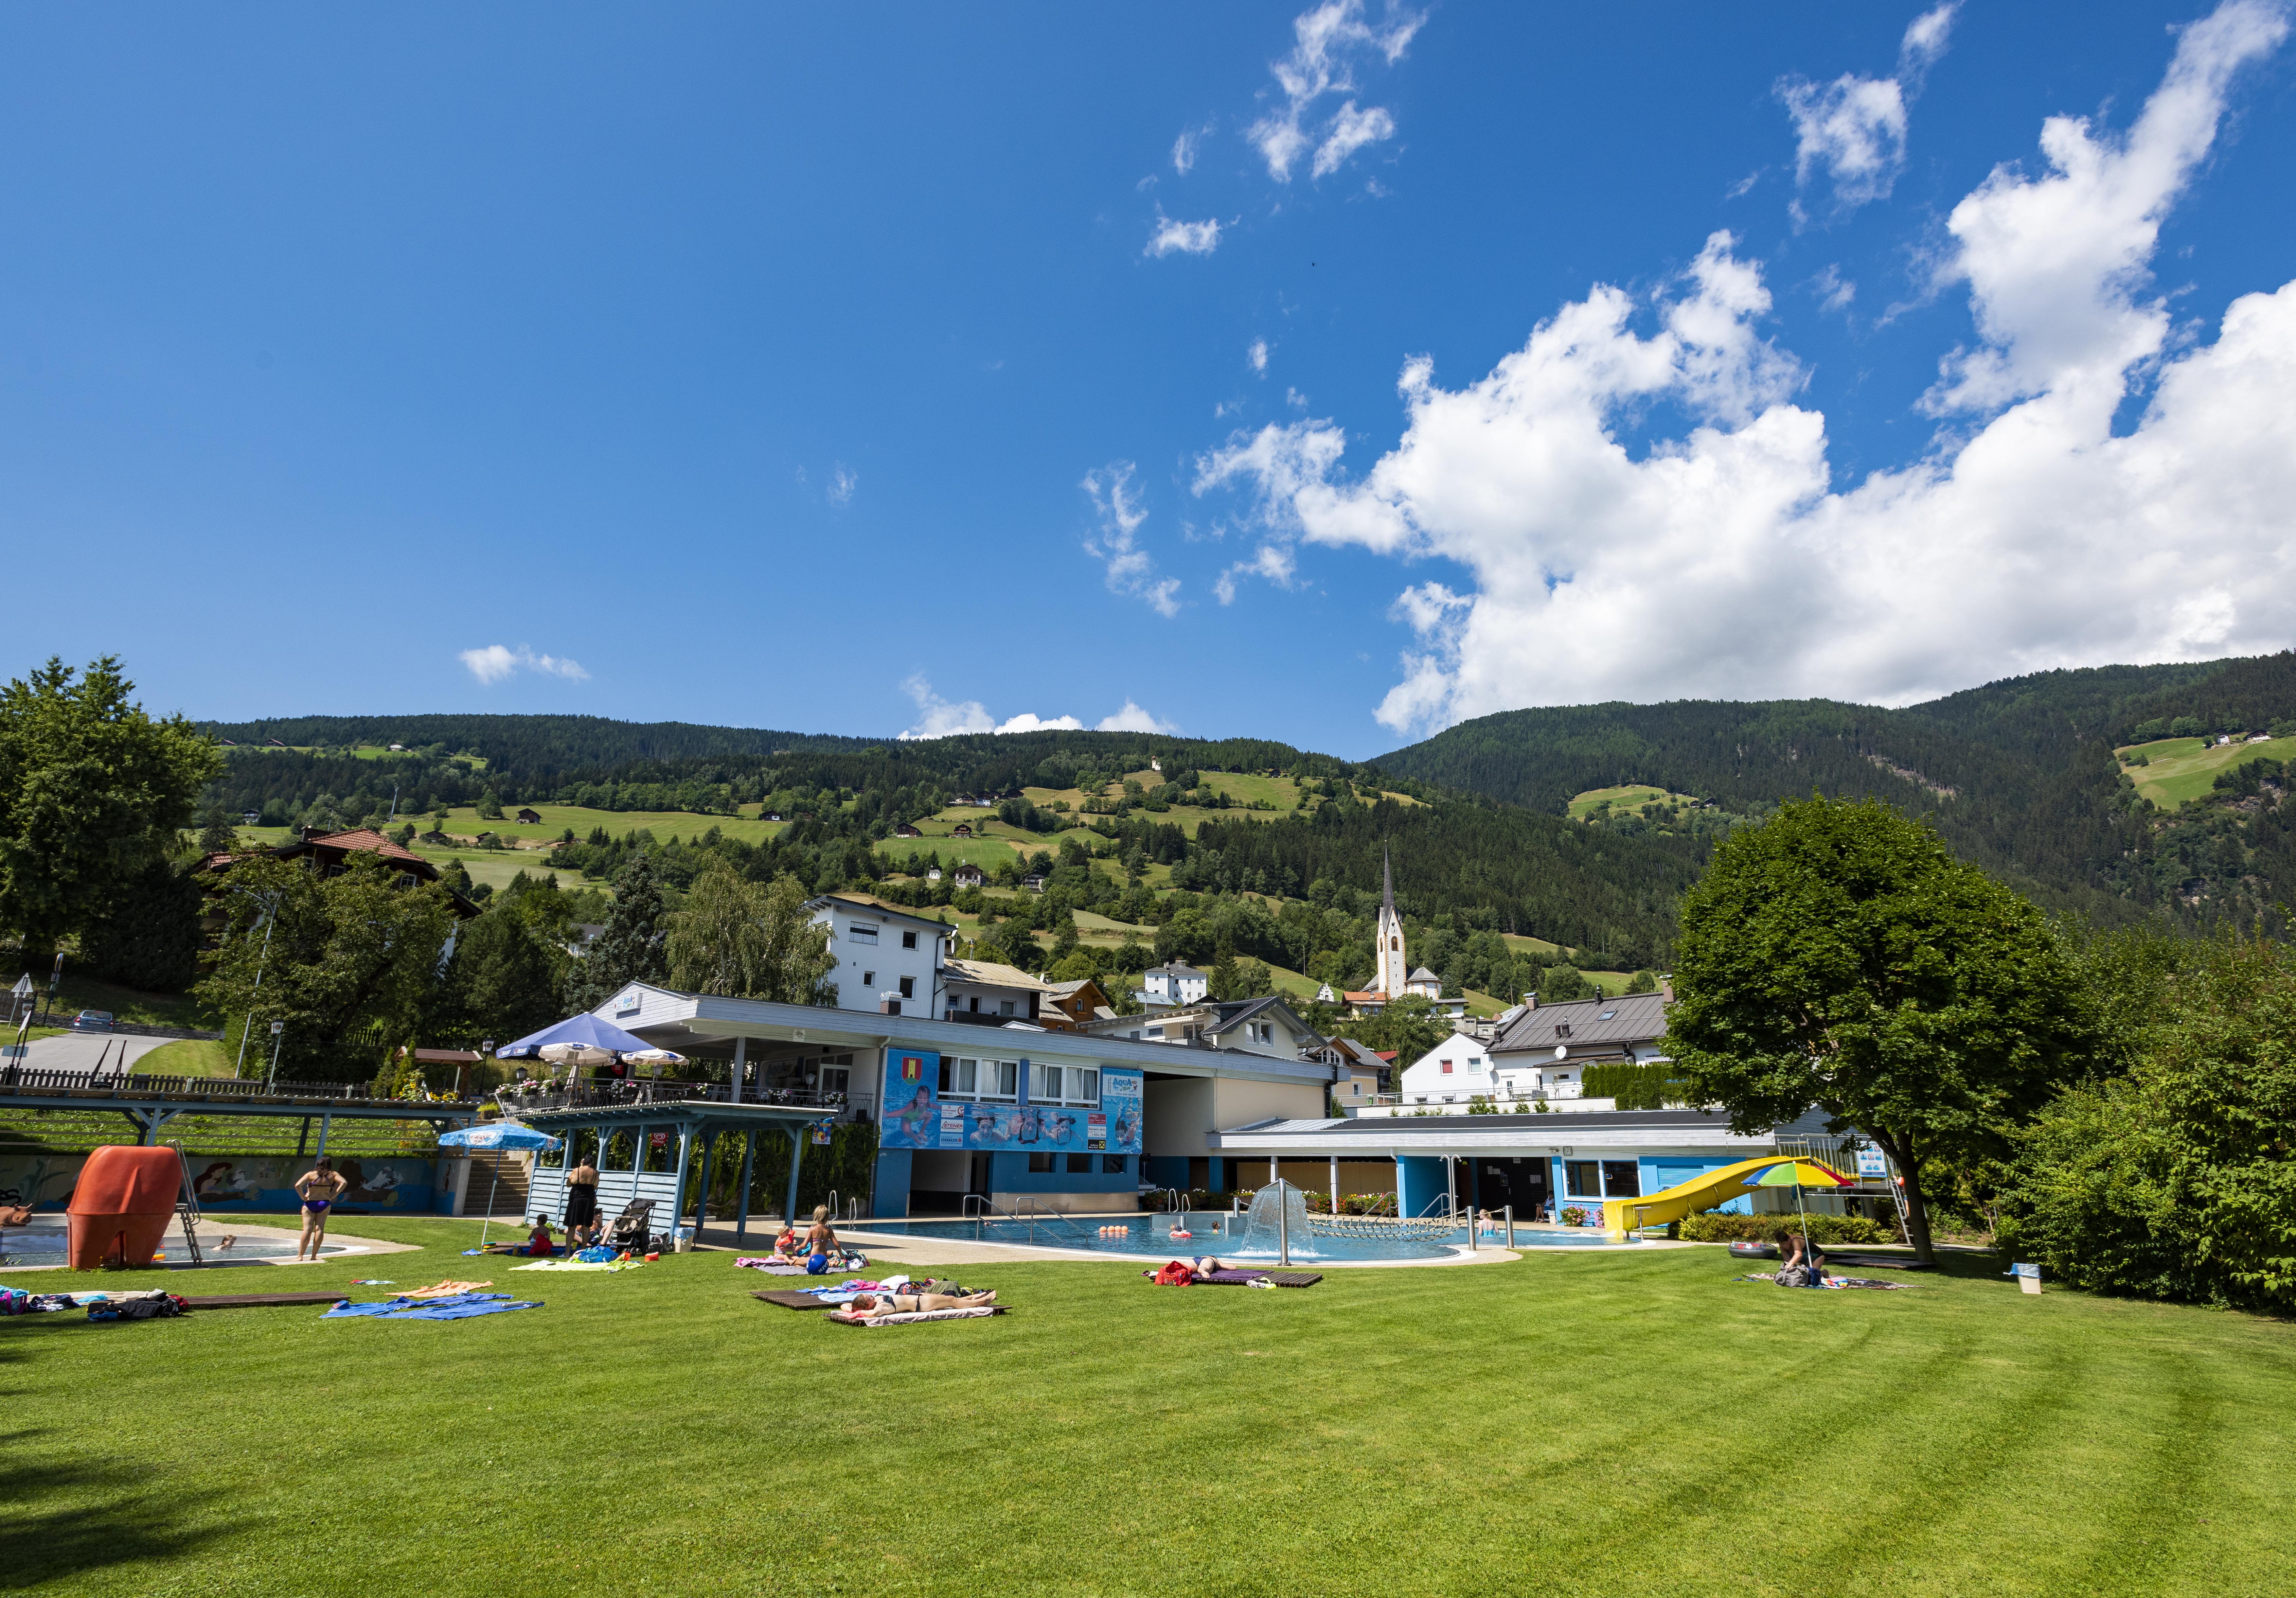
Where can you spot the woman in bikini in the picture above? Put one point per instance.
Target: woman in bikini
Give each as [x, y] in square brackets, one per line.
[318, 1187]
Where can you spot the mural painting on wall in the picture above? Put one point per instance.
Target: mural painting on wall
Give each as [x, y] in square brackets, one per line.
[917, 1117]
[235, 1181]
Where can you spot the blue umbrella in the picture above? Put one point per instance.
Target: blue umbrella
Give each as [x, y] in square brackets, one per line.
[496, 1136]
[585, 1028]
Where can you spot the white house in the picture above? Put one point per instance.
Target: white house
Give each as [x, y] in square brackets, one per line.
[1453, 1071]
[1249, 1025]
[889, 959]
[1173, 983]
[1548, 1047]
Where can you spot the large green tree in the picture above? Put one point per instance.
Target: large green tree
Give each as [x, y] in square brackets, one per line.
[502, 982]
[348, 963]
[630, 949]
[92, 791]
[749, 940]
[1838, 956]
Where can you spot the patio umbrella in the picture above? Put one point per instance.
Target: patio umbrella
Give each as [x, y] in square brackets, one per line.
[496, 1136]
[1797, 1175]
[604, 1036]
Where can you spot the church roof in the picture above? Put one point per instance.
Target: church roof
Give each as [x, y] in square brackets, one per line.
[1423, 974]
[1387, 874]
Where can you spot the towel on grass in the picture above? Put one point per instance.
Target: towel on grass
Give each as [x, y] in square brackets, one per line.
[461, 1306]
[975, 1312]
[582, 1264]
[441, 1289]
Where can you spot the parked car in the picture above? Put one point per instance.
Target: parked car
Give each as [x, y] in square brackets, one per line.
[92, 1020]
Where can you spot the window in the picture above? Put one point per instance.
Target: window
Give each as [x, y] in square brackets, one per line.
[1000, 1079]
[1044, 1085]
[1446, 1067]
[909, 940]
[908, 987]
[1622, 1179]
[1080, 1165]
[834, 1079]
[861, 932]
[1040, 1164]
[1003, 1007]
[868, 979]
[1114, 1165]
[1582, 1178]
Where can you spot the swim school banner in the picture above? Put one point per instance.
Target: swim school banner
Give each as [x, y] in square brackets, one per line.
[916, 1117]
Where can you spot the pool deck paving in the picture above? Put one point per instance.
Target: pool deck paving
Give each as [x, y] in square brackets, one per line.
[212, 1232]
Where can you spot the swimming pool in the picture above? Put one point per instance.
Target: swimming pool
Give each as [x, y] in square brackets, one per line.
[1215, 1233]
[44, 1243]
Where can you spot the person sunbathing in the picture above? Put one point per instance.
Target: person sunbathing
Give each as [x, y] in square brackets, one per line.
[902, 1304]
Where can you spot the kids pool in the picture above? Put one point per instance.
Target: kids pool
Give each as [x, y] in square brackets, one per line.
[1215, 1233]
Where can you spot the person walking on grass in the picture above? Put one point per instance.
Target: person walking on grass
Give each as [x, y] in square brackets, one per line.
[318, 1187]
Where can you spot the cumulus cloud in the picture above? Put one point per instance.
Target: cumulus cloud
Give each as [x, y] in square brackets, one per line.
[1726, 562]
[1257, 355]
[1171, 237]
[939, 718]
[1133, 719]
[1327, 44]
[498, 663]
[1115, 544]
[1853, 130]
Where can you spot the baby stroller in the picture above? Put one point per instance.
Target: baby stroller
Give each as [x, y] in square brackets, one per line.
[630, 1228]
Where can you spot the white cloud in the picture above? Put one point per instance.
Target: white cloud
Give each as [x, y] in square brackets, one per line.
[1131, 570]
[1257, 355]
[1184, 148]
[842, 482]
[1133, 719]
[1835, 291]
[939, 718]
[498, 663]
[1327, 43]
[1726, 562]
[1275, 560]
[1854, 128]
[1183, 238]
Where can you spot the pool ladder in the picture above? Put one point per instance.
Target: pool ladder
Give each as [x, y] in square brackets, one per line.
[187, 1206]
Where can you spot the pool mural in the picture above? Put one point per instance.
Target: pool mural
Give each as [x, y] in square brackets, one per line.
[44, 1182]
[917, 1117]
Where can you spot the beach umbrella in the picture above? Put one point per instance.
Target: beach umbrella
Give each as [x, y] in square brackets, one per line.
[1797, 1175]
[496, 1136]
[604, 1036]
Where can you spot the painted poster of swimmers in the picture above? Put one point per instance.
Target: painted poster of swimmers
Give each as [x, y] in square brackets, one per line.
[917, 1117]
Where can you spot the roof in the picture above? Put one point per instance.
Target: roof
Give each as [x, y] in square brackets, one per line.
[1070, 990]
[1423, 974]
[989, 973]
[359, 840]
[1172, 967]
[1234, 1013]
[1629, 1018]
[1387, 885]
[864, 901]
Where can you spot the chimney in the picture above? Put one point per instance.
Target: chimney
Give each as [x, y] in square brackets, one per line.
[889, 1007]
[1531, 1001]
[1666, 987]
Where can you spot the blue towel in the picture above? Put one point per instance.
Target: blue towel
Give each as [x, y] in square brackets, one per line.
[457, 1306]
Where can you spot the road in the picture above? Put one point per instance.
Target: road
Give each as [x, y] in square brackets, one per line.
[84, 1051]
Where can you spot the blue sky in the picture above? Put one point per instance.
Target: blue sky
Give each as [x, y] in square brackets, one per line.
[871, 370]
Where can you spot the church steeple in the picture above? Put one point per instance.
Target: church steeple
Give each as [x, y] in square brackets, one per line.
[1392, 964]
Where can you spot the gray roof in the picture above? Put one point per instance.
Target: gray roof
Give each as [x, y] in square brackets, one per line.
[1175, 969]
[1234, 1013]
[1629, 1018]
[1423, 974]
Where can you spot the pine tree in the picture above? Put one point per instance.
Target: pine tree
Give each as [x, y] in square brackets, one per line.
[630, 949]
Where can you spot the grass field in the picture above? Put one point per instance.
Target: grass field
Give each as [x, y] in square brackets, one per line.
[1633, 796]
[187, 1056]
[1631, 1424]
[2182, 770]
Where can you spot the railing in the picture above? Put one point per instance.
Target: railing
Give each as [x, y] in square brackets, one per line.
[36, 1079]
[609, 1095]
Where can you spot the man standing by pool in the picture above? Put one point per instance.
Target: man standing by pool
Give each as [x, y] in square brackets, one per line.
[318, 1187]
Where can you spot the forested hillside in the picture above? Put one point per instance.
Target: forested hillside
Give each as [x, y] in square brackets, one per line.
[2019, 776]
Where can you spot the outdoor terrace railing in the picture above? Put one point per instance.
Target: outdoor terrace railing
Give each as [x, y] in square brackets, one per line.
[36, 1079]
[609, 1095]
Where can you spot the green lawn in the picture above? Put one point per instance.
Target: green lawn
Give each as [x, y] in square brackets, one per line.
[2182, 770]
[1633, 796]
[1623, 1424]
[187, 1056]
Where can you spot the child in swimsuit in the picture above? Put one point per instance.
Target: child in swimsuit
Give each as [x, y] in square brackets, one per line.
[318, 1187]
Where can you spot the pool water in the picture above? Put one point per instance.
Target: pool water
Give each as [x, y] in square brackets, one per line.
[1215, 1233]
[45, 1245]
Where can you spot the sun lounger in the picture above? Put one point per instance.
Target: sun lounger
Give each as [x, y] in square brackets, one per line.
[789, 1300]
[1244, 1279]
[246, 1300]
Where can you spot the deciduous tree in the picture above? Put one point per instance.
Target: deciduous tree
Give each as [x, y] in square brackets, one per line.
[1838, 956]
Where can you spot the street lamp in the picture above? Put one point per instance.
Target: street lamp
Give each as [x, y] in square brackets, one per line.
[277, 1027]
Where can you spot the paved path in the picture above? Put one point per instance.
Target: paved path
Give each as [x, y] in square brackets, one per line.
[82, 1050]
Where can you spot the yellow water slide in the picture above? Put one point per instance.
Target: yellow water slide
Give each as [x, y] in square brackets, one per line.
[1705, 1192]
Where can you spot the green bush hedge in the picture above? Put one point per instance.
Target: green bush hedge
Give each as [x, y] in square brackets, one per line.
[1717, 1227]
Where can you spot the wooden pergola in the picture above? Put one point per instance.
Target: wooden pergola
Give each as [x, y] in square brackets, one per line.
[695, 1121]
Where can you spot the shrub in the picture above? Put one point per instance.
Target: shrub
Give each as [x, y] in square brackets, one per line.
[1573, 1215]
[2177, 1180]
[1716, 1226]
